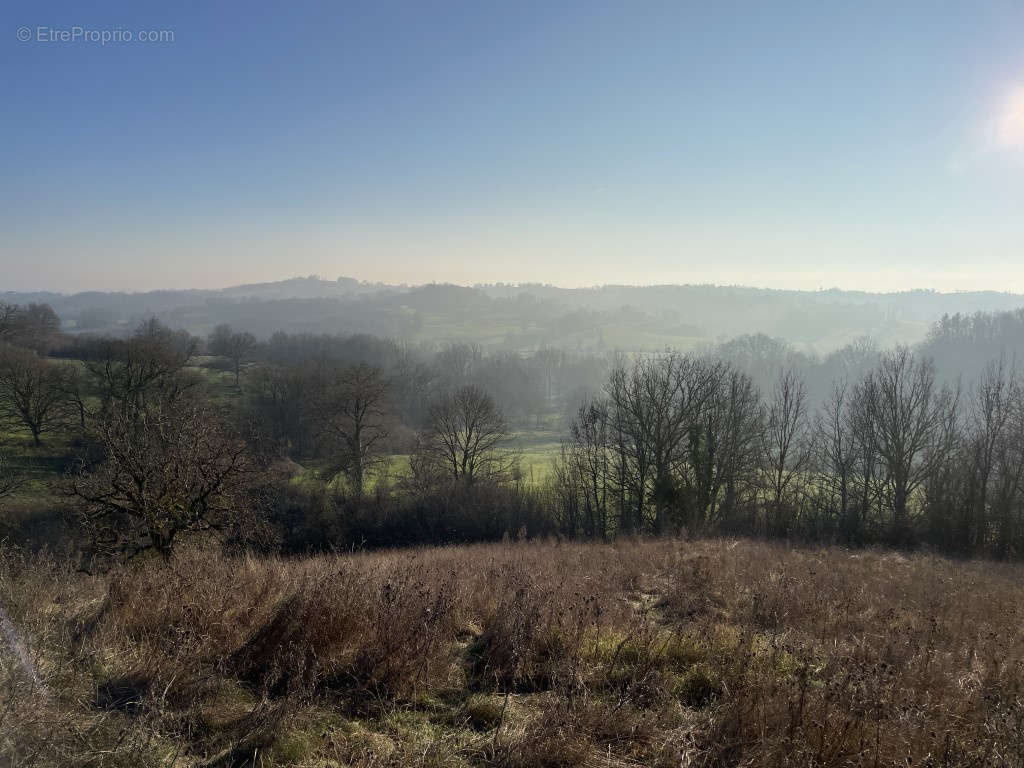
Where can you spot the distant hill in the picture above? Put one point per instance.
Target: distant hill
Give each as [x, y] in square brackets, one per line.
[528, 316]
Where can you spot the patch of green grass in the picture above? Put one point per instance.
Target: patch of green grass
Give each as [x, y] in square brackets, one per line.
[698, 688]
[312, 737]
[427, 738]
[363, 743]
[621, 653]
[536, 467]
[292, 747]
[231, 703]
[484, 711]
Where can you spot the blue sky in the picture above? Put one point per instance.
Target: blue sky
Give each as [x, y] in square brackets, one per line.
[863, 145]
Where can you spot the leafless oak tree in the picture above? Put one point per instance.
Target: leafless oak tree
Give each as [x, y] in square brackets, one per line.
[32, 391]
[161, 470]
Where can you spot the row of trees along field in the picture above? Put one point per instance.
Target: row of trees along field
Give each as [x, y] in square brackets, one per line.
[679, 442]
[312, 442]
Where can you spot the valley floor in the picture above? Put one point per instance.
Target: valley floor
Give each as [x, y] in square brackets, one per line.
[661, 653]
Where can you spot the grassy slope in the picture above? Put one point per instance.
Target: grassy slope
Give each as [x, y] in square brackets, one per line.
[659, 653]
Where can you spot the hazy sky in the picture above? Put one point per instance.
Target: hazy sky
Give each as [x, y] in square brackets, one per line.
[858, 144]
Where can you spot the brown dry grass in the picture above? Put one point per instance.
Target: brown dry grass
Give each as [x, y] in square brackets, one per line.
[655, 653]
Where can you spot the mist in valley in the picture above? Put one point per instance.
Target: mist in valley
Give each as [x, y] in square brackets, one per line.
[563, 385]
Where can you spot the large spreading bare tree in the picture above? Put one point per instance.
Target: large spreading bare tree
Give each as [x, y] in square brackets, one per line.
[161, 469]
[33, 392]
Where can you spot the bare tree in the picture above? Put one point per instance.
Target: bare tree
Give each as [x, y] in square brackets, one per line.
[585, 473]
[32, 391]
[946, 489]
[677, 389]
[906, 413]
[161, 470]
[784, 445]
[551, 362]
[34, 326]
[725, 448]
[149, 365]
[458, 362]
[991, 412]
[1008, 479]
[680, 435]
[276, 408]
[74, 387]
[349, 413]
[412, 381]
[836, 458]
[868, 480]
[634, 470]
[237, 347]
[466, 436]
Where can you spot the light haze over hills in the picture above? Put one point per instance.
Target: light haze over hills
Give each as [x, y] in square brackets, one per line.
[529, 316]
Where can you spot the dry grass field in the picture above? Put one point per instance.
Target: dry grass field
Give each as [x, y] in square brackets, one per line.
[660, 653]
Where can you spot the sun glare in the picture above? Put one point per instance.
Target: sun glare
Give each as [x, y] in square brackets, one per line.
[1008, 128]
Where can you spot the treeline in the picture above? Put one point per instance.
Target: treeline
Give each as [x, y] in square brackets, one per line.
[959, 345]
[685, 443]
[528, 387]
[522, 317]
[295, 448]
[159, 450]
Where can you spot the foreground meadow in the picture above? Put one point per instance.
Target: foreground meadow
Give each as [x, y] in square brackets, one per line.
[661, 653]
